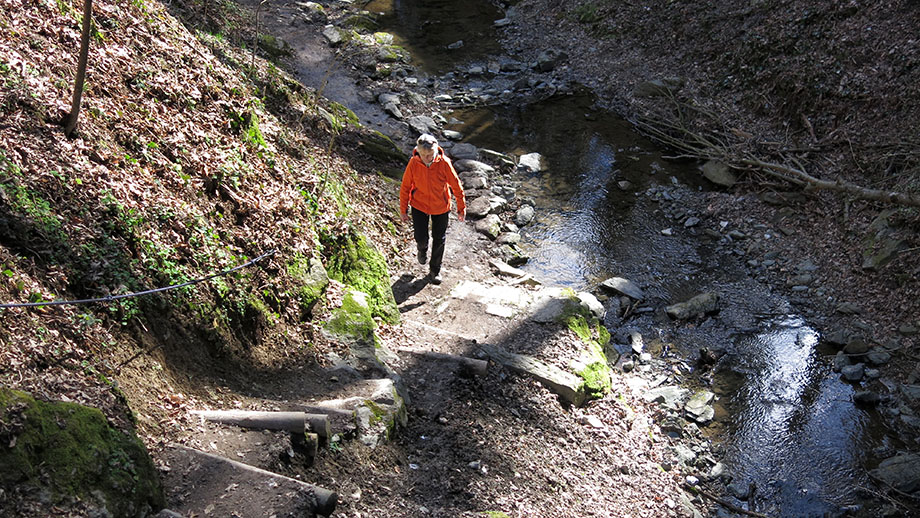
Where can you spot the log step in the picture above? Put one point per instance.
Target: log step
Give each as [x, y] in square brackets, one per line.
[201, 484]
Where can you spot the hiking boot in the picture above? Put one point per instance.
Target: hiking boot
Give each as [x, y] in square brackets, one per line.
[421, 256]
[435, 278]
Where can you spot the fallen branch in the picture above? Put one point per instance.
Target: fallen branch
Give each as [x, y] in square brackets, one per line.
[728, 505]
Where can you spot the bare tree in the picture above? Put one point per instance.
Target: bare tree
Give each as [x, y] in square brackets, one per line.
[71, 124]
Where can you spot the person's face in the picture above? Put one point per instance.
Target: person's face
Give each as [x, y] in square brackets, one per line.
[427, 155]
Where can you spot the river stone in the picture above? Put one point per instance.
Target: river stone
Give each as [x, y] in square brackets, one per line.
[479, 207]
[474, 182]
[624, 287]
[332, 35]
[841, 360]
[856, 345]
[719, 173]
[877, 356]
[668, 396]
[504, 22]
[387, 98]
[393, 110]
[901, 472]
[422, 124]
[911, 392]
[452, 135]
[866, 398]
[475, 166]
[838, 337]
[506, 269]
[490, 226]
[685, 456]
[593, 305]
[531, 162]
[697, 306]
[524, 215]
[464, 151]
[548, 59]
[853, 372]
[508, 238]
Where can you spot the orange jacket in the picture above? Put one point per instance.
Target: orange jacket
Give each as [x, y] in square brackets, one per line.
[428, 188]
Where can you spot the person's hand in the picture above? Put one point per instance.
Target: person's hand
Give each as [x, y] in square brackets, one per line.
[404, 217]
[462, 215]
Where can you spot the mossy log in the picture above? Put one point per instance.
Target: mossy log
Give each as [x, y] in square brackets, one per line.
[470, 365]
[297, 422]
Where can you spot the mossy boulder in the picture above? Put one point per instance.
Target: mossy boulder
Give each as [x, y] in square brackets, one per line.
[355, 262]
[592, 365]
[354, 323]
[72, 451]
[309, 279]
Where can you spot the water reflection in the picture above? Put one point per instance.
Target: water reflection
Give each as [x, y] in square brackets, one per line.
[794, 431]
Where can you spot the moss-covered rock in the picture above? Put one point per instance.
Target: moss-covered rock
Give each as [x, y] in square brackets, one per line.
[355, 262]
[72, 451]
[592, 365]
[310, 280]
[353, 320]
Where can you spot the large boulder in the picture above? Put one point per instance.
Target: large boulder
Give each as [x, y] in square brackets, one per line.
[901, 472]
[68, 451]
[355, 262]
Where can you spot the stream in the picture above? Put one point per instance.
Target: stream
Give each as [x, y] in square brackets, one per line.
[784, 420]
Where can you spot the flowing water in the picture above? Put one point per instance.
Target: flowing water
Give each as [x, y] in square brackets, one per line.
[784, 419]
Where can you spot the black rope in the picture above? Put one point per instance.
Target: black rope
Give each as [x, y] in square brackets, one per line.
[112, 298]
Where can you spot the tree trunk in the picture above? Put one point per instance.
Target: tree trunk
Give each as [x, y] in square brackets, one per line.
[297, 422]
[71, 124]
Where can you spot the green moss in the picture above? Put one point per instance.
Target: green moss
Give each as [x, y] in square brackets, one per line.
[353, 320]
[355, 262]
[494, 514]
[73, 451]
[363, 21]
[592, 366]
[310, 280]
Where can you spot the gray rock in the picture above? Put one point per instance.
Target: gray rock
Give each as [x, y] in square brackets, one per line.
[668, 396]
[853, 372]
[567, 385]
[692, 222]
[524, 215]
[474, 166]
[866, 398]
[532, 162]
[623, 287]
[479, 207]
[911, 392]
[719, 173]
[878, 356]
[698, 404]
[422, 124]
[474, 182]
[387, 98]
[464, 151]
[548, 59]
[332, 35]
[393, 110]
[856, 345]
[452, 135]
[508, 238]
[697, 306]
[590, 302]
[901, 472]
[908, 330]
[504, 22]
[841, 360]
[489, 226]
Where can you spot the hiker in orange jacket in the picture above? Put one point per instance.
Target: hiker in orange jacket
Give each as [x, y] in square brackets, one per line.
[426, 186]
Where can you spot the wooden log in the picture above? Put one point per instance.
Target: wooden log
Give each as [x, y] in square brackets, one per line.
[297, 422]
[565, 384]
[470, 365]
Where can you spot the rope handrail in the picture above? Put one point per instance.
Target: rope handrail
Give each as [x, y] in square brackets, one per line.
[111, 298]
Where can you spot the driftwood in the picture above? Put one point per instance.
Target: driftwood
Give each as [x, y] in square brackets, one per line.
[677, 135]
[470, 365]
[297, 422]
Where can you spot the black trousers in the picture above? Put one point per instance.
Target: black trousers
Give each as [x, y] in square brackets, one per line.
[438, 236]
